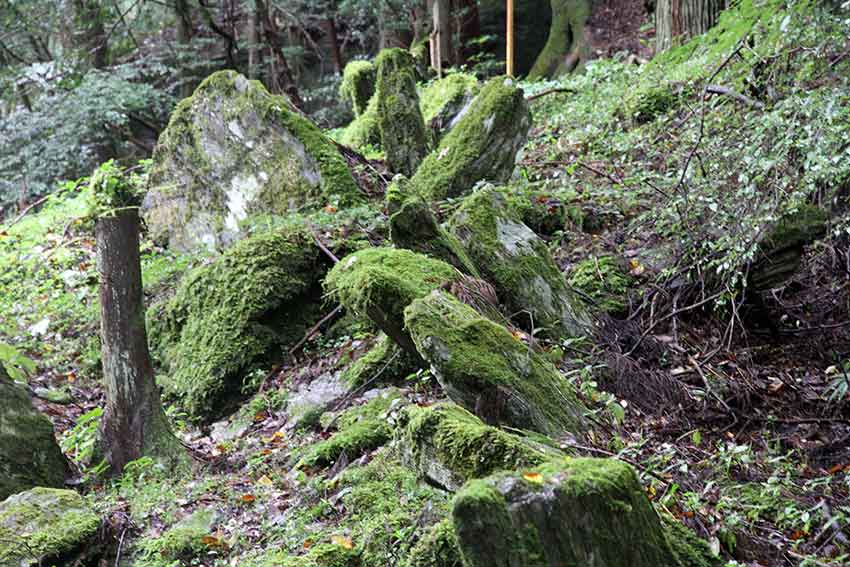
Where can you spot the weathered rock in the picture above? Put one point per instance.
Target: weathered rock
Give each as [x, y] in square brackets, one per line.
[781, 249]
[235, 315]
[29, 454]
[444, 101]
[358, 84]
[232, 152]
[488, 371]
[606, 281]
[379, 283]
[483, 145]
[573, 512]
[385, 363]
[517, 262]
[307, 402]
[414, 226]
[448, 446]
[45, 526]
[403, 135]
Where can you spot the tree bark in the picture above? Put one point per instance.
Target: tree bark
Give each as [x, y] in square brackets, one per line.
[336, 54]
[566, 47]
[470, 29]
[678, 20]
[441, 34]
[272, 35]
[133, 424]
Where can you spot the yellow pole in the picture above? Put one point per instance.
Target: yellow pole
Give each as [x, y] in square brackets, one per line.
[509, 63]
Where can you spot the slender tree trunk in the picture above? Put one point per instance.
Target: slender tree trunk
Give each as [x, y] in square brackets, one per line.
[184, 37]
[566, 48]
[470, 29]
[678, 20]
[133, 424]
[336, 54]
[284, 73]
[441, 34]
[253, 43]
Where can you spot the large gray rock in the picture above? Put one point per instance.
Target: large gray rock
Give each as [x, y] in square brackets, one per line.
[590, 512]
[231, 152]
[46, 526]
[518, 264]
[488, 371]
[29, 454]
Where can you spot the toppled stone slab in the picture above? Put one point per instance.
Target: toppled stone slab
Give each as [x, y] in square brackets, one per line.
[518, 263]
[29, 454]
[569, 512]
[232, 152]
[444, 101]
[46, 526]
[487, 370]
[483, 145]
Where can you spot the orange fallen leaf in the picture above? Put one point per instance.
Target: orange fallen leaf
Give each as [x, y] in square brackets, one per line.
[533, 477]
[212, 541]
[308, 543]
[835, 469]
[330, 209]
[72, 377]
[248, 498]
[798, 534]
[342, 541]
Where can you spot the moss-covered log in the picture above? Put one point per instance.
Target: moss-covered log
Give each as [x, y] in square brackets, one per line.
[566, 46]
[488, 371]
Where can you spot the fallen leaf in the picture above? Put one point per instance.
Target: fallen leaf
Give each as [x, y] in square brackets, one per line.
[308, 543]
[212, 541]
[330, 209]
[533, 477]
[248, 498]
[342, 541]
[265, 481]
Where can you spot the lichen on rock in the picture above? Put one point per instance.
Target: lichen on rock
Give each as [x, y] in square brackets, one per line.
[484, 368]
[232, 151]
[29, 454]
[358, 84]
[567, 512]
[229, 316]
[45, 526]
[518, 263]
[483, 145]
[444, 101]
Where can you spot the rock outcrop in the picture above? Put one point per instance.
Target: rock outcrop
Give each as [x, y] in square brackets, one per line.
[29, 454]
[487, 370]
[444, 101]
[233, 152]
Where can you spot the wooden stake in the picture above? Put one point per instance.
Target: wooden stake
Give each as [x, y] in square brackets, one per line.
[509, 59]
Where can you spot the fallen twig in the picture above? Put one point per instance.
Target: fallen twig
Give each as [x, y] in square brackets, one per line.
[717, 89]
[551, 91]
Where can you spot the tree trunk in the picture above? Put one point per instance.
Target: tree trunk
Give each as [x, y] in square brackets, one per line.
[566, 47]
[184, 37]
[284, 74]
[330, 28]
[678, 20]
[134, 424]
[441, 34]
[470, 29]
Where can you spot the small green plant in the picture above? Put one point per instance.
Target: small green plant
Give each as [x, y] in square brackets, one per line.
[18, 366]
[80, 443]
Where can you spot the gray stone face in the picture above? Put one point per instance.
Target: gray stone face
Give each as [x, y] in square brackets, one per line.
[316, 396]
[233, 152]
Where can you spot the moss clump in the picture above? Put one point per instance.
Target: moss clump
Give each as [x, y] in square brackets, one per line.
[649, 102]
[449, 446]
[29, 455]
[543, 212]
[605, 281]
[360, 429]
[572, 512]
[403, 134]
[482, 145]
[437, 548]
[381, 282]
[443, 100]
[234, 314]
[485, 369]
[321, 555]
[181, 543]
[518, 263]
[364, 131]
[385, 363]
[358, 85]
[43, 525]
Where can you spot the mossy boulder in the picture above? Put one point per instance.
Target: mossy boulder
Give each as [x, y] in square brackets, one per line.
[364, 132]
[605, 280]
[518, 264]
[448, 446]
[483, 145]
[384, 363]
[379, 283]
[403, 135]
[484, 368]
[436, 548]
[358, 84]
[443, 101]
[29, 454]
[568, 512]
[235, 315]
[46, 526]
[232, 152]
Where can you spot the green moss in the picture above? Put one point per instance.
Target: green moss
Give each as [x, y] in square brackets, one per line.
[180, 543]
[442, 100]
[651, 101]
[230, 316]
[605, 281]
[364, 131]
[449, 445]
[543, 212]
[385, 363]
[321, 555]
[437, 548]
[482, 145]
[358, 84]
[485, 369]
[44, 524]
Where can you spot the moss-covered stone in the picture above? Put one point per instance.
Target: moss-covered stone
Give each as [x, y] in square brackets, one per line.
[45, 526]
[403, 135]
[518, 263]
[487, 370]
[239, 312]
[437, 548]
[604, 280]
[364, 132]
[358, 84]
[483, 145]
[443, 101]
[29, 454]
[414, 226]
[380, 282]
[180, 544]
[448, 446]
[232, 151]
[544, 213]
[573, 512]
[649, 102]
[384, 363]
